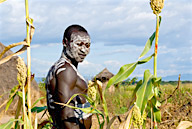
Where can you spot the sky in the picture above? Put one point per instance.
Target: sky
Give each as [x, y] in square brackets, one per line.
[118, 29]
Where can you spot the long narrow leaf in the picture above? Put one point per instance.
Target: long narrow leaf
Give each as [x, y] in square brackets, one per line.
[12, 96]
[9, 102]
[123, 73]
[149, 42]
[38, 109]
[9, 124]
[146, 59]
[145, 92]
[86, 110]
[37, 101]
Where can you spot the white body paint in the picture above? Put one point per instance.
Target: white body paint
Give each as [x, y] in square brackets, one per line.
[56, 68]
[76, 48]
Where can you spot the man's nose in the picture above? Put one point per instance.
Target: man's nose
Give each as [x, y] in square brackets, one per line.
[83, 48]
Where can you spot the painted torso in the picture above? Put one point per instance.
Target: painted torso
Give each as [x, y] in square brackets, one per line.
[51, 82]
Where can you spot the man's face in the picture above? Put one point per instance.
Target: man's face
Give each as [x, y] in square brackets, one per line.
[79, 46]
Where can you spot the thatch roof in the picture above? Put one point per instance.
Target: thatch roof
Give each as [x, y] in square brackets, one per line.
[103, 76]
[8, 78]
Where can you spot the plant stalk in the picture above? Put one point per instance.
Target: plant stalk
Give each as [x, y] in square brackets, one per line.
[19, 105]
[156, 44]
[28, 63]
[155, 57]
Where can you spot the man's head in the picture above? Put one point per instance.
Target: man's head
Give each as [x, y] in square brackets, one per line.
[76, 42]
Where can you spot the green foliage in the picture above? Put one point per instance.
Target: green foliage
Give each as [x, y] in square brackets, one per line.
[42, 83]
[12, 95]
[38, 109]
[10, 123]
[145, 91]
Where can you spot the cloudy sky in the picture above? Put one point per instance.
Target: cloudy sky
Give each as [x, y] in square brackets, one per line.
[119, 30]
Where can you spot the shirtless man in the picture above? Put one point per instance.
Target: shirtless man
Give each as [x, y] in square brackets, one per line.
[63, 81]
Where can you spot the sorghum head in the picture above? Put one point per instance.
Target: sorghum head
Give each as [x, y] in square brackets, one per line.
[157, 6]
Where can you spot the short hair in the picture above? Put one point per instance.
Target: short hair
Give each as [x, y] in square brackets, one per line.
[73, 28]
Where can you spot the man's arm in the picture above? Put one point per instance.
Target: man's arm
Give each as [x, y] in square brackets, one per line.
[66, 81]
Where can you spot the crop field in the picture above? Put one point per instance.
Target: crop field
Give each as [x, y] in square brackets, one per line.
[176, 104]
[176, 108]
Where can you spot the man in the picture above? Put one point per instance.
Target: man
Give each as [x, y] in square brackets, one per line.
[63, 81]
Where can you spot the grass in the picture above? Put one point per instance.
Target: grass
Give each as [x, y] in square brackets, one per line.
[177, 108]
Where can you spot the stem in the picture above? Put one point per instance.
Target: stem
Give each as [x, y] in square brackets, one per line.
[156, 45]
[155, 63]
[24, 111]
[19, 105]
[151, 115]
[28, 63]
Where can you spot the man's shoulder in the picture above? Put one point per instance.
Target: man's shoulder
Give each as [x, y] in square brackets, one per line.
[66, 68]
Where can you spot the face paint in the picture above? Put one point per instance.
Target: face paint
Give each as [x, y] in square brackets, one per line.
[79, 46]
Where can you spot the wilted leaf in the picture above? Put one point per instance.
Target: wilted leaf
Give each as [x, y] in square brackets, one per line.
[111, 122]
[184, 125]
[127, 123]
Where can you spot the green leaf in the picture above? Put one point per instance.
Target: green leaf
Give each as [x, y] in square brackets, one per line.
[86, 110]
[37, 101]
[149, 42]
[146, 59]
[145, 92]
[137, 87]
[9, 124]
[123, 73]
[9, 102]
[38, 109]
[156, 81]
[157, 114]
[148, 45]
[20, 94]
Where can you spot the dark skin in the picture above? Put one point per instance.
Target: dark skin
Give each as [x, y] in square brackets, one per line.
[63, 86]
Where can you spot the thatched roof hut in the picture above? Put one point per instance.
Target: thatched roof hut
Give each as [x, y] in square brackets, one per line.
[8, 79]
[103, 76]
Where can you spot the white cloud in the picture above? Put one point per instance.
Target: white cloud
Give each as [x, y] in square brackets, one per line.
[53, 44]
[111, 22]
[41, 62]
[89, 69]
[35, 45]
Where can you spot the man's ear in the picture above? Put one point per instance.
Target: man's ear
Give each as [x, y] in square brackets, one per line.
[65, 42]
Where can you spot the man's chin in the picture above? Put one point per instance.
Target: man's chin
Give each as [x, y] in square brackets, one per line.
[80, 60]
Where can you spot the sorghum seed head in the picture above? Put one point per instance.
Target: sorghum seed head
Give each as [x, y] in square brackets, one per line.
[157, 6]
[92, 91]
[21, 75]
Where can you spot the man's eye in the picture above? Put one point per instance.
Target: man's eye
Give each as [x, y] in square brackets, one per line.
[80, 44]
[87, 45]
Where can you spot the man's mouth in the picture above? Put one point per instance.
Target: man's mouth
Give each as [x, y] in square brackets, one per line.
[82, 55]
